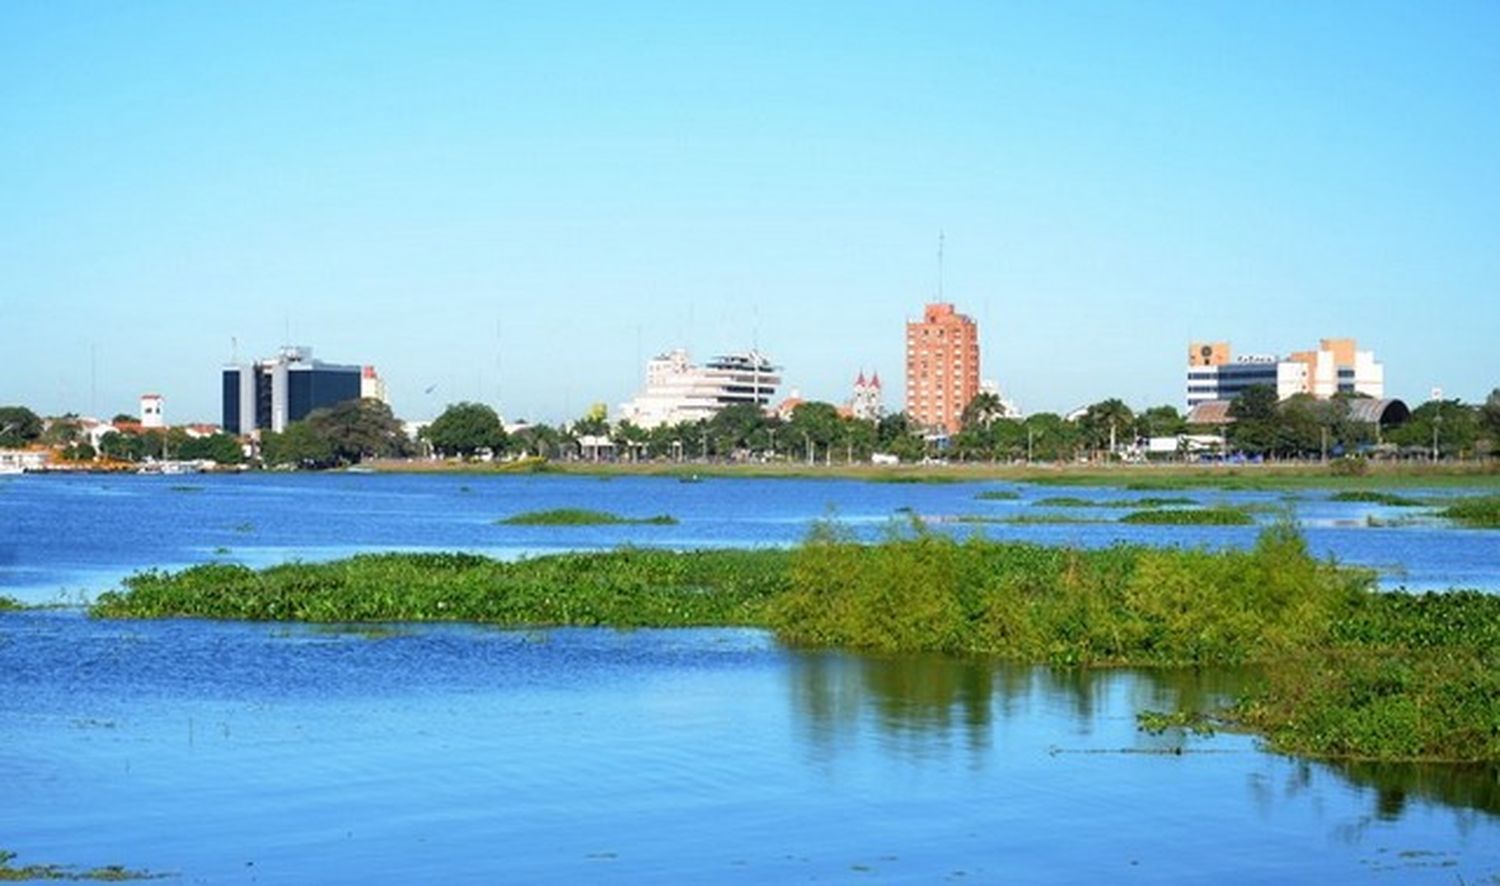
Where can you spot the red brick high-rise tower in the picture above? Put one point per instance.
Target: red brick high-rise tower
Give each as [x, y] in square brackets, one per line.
[942, 367]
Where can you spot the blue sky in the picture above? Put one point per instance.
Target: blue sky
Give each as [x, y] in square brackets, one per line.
[521, 202]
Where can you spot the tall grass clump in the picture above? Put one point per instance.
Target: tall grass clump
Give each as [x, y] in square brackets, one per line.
[1125, 605]
[1480, 511]
[7, 603]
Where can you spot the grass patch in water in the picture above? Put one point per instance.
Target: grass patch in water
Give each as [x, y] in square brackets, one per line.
[1029, 519]
[1374, 497]
[1480, 512]
[32, 872]
[999, 495]
[9, 603]
[583, 517]
[1068, 501]
[1191, 517]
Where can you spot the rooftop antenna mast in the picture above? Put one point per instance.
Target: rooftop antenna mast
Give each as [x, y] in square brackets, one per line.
[940, 265]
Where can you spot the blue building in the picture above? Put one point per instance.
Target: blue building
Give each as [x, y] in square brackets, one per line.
[270, 394]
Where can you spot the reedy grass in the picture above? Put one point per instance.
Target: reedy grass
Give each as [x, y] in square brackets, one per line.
[1479, 511]
[8, 603]
[1215, 516]
[583, 517]
[998, 495]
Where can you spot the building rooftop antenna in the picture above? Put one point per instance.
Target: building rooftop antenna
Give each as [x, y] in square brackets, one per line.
[940, 265]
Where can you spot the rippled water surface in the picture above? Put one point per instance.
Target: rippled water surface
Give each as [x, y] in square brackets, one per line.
[227, 752]
[79, 535]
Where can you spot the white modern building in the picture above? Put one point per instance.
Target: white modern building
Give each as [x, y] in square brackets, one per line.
[677, 390]
[1336, 367]
[151, 411]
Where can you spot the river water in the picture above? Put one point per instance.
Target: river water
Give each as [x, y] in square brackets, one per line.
[227, 752]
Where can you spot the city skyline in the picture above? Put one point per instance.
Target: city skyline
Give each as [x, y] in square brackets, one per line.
[522, 208]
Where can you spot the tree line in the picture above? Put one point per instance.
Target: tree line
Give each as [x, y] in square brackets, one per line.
[814, 432]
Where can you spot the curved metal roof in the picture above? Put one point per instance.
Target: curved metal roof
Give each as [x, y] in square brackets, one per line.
[1389, 411]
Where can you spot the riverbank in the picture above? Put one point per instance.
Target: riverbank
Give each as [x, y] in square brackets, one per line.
[1144, 477]
[1349, 672]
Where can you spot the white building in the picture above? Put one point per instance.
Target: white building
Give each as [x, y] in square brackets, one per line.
[372, 386]
[867, 404]
[677, 390]
[1336, 367]
[151, 411]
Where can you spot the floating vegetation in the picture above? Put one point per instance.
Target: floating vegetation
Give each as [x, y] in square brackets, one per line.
[583, 517]
[1068, 501]
[1374, 497]
[1029, 519]
[185, 487]
[1480, 512]
[912, 478]
[1191, 517]
[107, 873]
[624, 588]
[999, 495]
[1157, 722]
[1340, 669]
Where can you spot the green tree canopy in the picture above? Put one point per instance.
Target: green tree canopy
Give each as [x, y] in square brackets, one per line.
[360, 429]
[19, 427]
[1256, 420]
[464, 429]
[300, 445]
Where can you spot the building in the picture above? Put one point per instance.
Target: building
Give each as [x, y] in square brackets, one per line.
[372, 386]
[677, 390]
[151, 414]
[942, 367]
[1336, 367]
[270, 394]
[868, 403]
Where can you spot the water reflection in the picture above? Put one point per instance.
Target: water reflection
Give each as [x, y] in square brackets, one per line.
[925, 705]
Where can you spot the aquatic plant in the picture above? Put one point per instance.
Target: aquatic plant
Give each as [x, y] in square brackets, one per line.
[1480, 511]
[1344, 670]
[1375, 497]
[185, 487]
[998, 495]
[30, 872]
[624, 588]
[582, 517]
[1029, 518]
[1030, 603]
[1215, 516]
[1150, 501]
[10, 603]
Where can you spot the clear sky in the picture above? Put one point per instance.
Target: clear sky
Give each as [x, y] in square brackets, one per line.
[520, 202]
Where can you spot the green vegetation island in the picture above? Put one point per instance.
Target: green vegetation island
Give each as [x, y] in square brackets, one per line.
[1342, 669]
